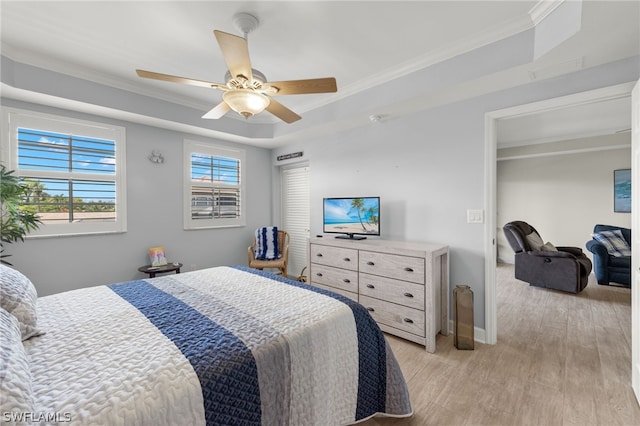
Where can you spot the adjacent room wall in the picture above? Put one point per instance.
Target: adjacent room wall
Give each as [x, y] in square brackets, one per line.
[563, 196]
[154, 217]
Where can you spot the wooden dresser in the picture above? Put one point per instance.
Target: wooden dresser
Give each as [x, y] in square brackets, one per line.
[404, 285]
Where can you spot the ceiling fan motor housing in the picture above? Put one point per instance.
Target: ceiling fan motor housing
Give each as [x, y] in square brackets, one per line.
[235, 83]
[245, 22]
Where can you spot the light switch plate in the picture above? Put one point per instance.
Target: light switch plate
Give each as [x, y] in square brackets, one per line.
[475, 216]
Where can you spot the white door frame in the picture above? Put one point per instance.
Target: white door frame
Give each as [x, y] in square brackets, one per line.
[490, 143]
[635, 242]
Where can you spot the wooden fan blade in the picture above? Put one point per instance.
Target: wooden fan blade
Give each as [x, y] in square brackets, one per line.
[299, 87]
[236, 54]
[218, 111]
[282, 112]
[176, 79]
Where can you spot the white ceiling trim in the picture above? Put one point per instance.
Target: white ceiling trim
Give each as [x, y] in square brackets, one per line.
[544, 8]
[556, 138]
[10, 92]
[566, 152]
[442, 54]
[597, 95]
[95, 76]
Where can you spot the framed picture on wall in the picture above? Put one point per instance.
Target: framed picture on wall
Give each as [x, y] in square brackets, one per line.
[622, 191]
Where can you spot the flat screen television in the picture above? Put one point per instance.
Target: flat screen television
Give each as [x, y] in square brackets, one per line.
[352, 218]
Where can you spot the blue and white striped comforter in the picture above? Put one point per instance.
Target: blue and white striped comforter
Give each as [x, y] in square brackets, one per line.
[226, 345]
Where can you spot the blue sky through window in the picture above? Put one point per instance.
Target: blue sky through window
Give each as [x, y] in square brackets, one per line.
[210, 168]
[56, 152]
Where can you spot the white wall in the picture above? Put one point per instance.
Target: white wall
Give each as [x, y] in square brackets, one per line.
[154, 217]
[428, 169]
[562, 196]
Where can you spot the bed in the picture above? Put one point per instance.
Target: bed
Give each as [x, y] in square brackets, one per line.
[226, 345]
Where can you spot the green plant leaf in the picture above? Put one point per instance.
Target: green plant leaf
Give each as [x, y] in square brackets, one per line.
[15, 221]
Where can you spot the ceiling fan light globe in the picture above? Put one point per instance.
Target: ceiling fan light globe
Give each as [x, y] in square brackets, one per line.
[246, 102]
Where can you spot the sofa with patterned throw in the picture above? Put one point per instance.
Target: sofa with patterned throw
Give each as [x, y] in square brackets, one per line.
[611, 248]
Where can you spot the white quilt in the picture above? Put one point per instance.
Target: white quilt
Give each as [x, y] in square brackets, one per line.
[110, 358]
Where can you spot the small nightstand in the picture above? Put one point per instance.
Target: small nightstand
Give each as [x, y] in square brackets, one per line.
[153, 270]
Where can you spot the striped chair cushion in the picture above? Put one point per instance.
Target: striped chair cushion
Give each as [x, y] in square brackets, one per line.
[267, 243]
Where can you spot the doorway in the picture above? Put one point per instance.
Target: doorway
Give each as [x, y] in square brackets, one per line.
[492, 120]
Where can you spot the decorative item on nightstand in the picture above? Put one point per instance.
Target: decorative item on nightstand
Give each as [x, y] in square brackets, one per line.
[157, 256]
[463, 317]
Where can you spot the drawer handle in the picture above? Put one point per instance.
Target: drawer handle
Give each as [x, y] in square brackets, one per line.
[370, 263]
[370, 309]
[346, 259]
[408, 295]
[408, 320]
[346, 280]
[408, 269]
[371, 286]
[319, 254]
[319, 274]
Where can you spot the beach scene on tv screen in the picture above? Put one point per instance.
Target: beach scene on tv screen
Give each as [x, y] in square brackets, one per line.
[352, 215]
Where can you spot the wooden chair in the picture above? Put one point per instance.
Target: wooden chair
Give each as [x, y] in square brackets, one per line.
[280, 263]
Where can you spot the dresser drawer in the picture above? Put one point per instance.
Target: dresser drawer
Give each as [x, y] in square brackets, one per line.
[344, 258]
[350, 295]
[334, 277]
[396, 316]
[393, 266]
[396, 291]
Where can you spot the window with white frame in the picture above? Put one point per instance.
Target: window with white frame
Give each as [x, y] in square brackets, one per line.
[213, 186]
[74, 169]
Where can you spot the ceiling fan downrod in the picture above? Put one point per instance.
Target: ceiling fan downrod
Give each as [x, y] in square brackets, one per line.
[245, 23]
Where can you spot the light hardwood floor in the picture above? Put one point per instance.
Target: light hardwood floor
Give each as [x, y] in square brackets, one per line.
[561, 359]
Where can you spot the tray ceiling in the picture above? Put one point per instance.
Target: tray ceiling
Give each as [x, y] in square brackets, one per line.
[364, 45]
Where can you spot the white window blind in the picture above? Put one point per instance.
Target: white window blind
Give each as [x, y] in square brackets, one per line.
[213, 186]
[296, 212]
[74, 171]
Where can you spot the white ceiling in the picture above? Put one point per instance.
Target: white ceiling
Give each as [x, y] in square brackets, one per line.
[362, 43]
[607, 117]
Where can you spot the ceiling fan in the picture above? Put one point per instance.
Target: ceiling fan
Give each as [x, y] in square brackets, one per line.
[246, 90]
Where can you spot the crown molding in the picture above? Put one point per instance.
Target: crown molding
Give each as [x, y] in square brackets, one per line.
[22, 95]
[95, 76]
[480, 39]
[564, 152]
[543, 8]
[602, 132]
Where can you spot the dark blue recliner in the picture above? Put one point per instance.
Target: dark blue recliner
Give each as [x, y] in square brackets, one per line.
[607, 268]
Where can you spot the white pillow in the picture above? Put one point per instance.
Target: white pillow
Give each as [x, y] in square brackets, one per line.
[18, 297]
[15, 378]
[548, 247]
[535, 241]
